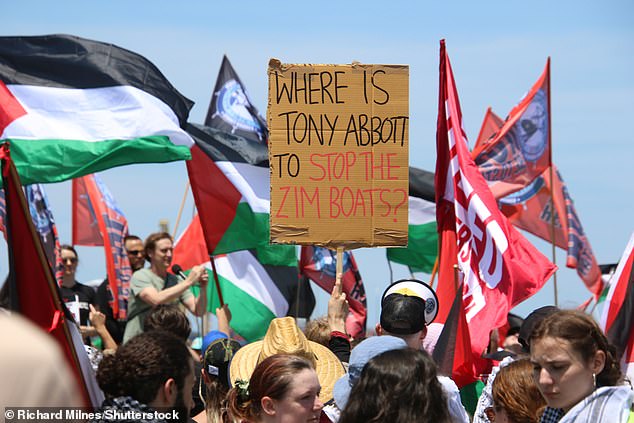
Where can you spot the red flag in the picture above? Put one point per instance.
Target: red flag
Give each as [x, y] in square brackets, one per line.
[618, 313]
[32, 288]
[501, 268]
[453, 352]
[190, 249]
[491, 125]
[531, 209]
[97, 220]
[520, 151]
[319, 264]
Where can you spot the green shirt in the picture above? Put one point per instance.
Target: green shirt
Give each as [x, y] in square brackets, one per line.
[137, 308]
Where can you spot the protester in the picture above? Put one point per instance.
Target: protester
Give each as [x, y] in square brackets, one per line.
[397, 386]
[516, 398]
[170, 318]
[284, 337]
[33, 369]
[214, 376]
[153, 372]
[134, 250]
[527, 325]
[153, 286]
[77, 297]
[317, 330]
[98, 321]
[282, 389]
[361, 355]
[407, 307]
[577, 371]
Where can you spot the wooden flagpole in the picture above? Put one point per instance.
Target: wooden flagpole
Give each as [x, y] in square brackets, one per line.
[552, 191]
[180, 210]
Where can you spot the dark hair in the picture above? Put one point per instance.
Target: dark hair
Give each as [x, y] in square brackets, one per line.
[397, 386]
[168, 317]
[69, 248]
[143, 364]
[515, 390]
[271, 378]
[131, 238]
[585, 337]
[217, 357]
[152, 239]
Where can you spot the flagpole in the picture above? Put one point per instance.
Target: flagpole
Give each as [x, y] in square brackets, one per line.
[552, 193]
[339, 261]
[216, 281]
[180, 210]
[434, 271]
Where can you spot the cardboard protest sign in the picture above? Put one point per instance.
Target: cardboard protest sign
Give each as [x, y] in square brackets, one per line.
[338, 153]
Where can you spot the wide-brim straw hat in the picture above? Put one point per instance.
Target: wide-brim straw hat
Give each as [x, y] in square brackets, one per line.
[284, 337]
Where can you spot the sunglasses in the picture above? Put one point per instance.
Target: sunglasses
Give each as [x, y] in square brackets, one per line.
[135, 252]
[71, 259]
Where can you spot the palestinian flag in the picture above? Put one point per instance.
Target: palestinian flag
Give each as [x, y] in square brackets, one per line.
[422, 238]
[231, 110]
[230, 182]
[71, 106]
[255, 293]
[617, 319]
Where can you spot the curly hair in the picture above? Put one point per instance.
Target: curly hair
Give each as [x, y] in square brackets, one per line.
[143, 364]
[515, 390]
[168, 317]
[271, 378]
[586, 338]
[397, 386]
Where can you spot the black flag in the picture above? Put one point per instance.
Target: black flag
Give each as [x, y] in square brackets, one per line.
[231, 110]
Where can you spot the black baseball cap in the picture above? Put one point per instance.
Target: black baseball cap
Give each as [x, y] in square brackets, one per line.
[407, 306]
[530, 323]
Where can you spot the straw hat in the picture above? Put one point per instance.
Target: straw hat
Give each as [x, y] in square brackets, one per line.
[284, 337]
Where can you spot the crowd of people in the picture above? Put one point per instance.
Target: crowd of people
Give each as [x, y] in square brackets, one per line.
[556, 365]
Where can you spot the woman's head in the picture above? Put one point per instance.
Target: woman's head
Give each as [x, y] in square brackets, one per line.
[69, 260]
[282, 388]
[515, 393]
[397, 386]
[571, 357]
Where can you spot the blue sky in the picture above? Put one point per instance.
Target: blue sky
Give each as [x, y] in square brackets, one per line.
[498, 49]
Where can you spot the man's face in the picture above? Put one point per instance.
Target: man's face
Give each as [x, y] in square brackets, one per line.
[134, 249]
[184, 401]
[161, 257]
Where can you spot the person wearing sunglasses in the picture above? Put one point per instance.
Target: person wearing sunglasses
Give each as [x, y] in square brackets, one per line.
[77, 296]
[136, 256]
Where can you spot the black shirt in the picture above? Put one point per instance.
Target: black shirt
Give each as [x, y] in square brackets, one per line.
[82, 293]
[114, 326]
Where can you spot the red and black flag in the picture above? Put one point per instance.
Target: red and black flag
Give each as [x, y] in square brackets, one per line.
[97, 220]
[33, 291]
[618, 312]
[320, 264]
